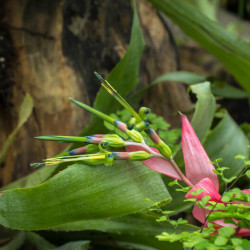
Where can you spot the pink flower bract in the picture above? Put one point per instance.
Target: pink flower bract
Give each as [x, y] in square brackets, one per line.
[197, 162]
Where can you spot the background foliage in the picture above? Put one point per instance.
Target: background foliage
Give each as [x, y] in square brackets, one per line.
[106, 203]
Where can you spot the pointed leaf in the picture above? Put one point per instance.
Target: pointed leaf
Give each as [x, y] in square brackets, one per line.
[15, 243]
[231, 51]
[123, 77]
[140, 229]
[201, 123]
[38, 241]
[178, 76]
[61, 138]
[130, 224]
[74, 245]
[82, 192]
[157, 164]
[226, 141]
[25, 110]
[206, 102]
[203, 115]
[24, 114]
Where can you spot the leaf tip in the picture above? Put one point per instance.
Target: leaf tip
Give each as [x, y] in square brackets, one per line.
[99, 76]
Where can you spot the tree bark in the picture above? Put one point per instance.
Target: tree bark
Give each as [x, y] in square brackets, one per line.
[53, 49]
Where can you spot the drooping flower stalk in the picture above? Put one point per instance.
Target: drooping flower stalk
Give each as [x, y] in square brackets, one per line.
[199, 170]
[134, 135]
[164, 154]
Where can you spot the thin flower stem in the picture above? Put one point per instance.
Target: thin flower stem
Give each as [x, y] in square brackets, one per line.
[178, 171]
[146, 147]
[154, 154]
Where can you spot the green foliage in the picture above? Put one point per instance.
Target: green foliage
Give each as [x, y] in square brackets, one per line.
[225, 141]
[24, 114]
[207, 7]
[123, 77]
[82, 192]
[220, 171]
[231, 51]
[218, 87]
[246, 128]
[206, 103]
[81, 197]
[156, 122]
[201, 122]
[223, 89]
[21, 240]
[139, 229]
[179, 76]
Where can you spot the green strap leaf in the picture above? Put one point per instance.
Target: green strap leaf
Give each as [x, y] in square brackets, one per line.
[232, 51]
[201, 122]
[225, 90]
[33, 239]
[38, 241]
[218, 87]
[82, 192]
[226, 141]
[204, 111]
[25, 110]
[131, 224]
[74, 245]
[123, 77]
[15, 243]
[24, 114]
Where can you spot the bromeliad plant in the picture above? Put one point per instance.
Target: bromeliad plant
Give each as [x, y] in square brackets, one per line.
[201, 176]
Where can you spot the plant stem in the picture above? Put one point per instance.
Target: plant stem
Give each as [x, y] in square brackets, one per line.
[155, 154]
[179, 172]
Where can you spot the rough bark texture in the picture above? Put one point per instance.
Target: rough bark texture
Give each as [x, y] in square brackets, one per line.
[51, 51]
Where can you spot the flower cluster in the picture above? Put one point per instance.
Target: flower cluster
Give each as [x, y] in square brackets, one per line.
[104, 149]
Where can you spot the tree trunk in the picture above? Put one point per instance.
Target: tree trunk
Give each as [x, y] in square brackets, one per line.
[50, 50]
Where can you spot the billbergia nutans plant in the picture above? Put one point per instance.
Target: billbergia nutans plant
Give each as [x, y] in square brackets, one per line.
[128, 178]
[201, 177]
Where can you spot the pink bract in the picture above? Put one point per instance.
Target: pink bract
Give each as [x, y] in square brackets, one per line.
[157, 164]
[197, 162]
[201, 213]
[209, 189]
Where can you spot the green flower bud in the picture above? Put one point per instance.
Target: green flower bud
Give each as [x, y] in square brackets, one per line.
[139, 155]
[114, 140]
[164, 149]
[141, 126]
[144, 111]
[109, 160]
[134, 135]
[131, 123]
